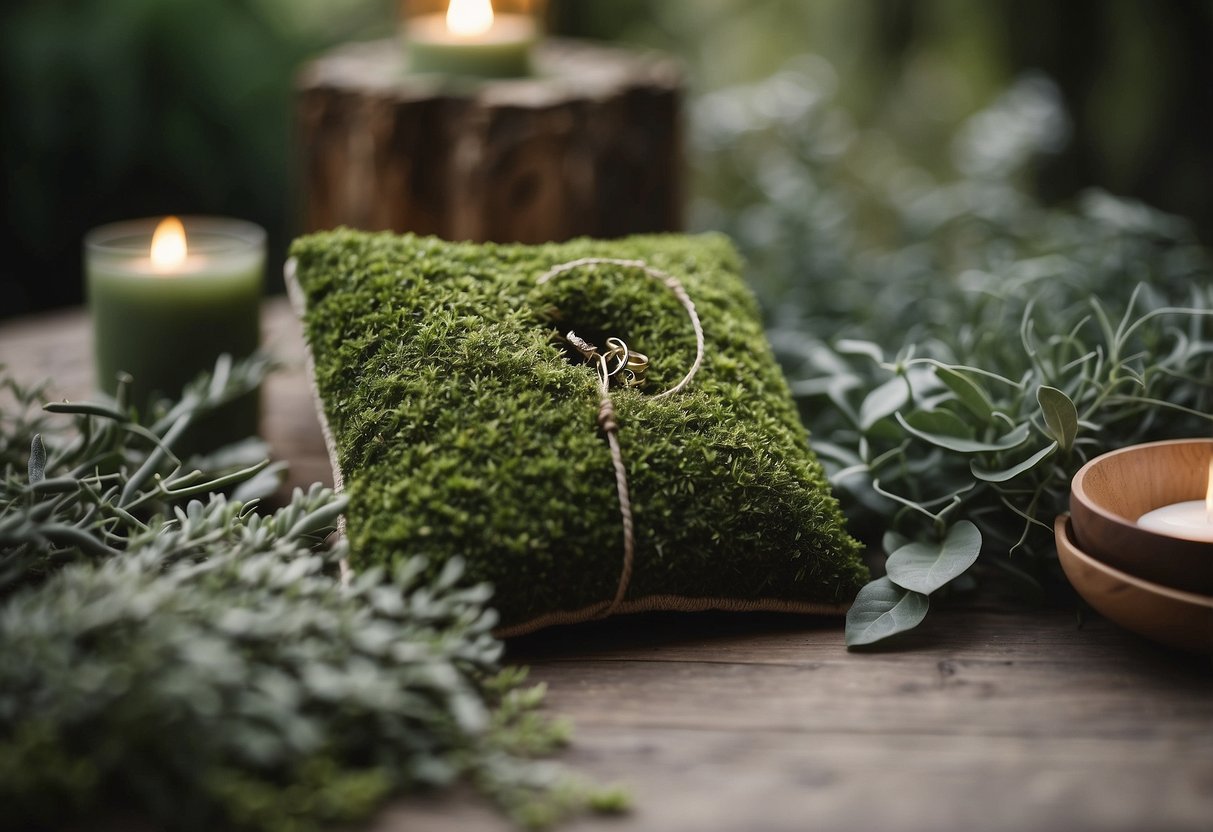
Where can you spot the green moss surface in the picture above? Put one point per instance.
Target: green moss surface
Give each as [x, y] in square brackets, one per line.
[462, 428]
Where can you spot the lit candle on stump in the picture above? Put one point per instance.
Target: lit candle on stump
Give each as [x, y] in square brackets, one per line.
[167, 299]
[581, 139]
[471, 39]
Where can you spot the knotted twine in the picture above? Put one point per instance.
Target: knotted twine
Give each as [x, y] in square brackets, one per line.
[606, 408]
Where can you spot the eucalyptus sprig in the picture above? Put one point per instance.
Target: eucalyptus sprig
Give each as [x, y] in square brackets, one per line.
[958, 349]
[969, 457]
[171, 652]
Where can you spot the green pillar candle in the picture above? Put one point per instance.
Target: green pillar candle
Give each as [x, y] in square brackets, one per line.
[470, 40]
[164, 311]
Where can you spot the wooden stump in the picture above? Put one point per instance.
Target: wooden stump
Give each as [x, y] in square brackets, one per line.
[590, 146]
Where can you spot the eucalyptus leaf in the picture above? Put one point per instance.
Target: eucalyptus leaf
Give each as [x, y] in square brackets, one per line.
[967, 391]
[1060, 415]
[842, 455]
[834, 386]
[1014, 301]
[883, 609]
[925, 567]
[892, 541]
[884, 401]
[854, 346]
[969, 446]
[1005, 474]
[940, 423]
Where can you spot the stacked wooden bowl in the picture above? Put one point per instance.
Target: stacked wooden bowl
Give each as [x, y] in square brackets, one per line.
[1157, 585]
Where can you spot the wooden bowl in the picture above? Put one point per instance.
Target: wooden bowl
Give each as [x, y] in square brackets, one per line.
[1112, 491]
[1179, 619]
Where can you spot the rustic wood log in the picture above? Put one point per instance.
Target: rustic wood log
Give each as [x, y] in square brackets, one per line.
[592, 145]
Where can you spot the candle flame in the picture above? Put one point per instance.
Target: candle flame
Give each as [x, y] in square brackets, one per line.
[1209, 492]
[469, 18]
[168, 245]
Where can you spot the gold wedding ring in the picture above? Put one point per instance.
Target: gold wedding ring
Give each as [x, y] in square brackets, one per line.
[635, 369]
[618, 362]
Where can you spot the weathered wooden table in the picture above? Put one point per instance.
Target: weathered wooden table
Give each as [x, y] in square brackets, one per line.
[986, 719]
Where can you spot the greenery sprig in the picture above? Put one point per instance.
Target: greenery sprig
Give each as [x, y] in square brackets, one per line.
[958, 349]
[169, 650]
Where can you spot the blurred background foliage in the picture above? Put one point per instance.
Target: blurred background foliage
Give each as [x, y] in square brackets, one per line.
[122, 108]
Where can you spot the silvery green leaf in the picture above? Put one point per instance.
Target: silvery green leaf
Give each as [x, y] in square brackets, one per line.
[925, 567]
[891, 541]
[836, 453]
[853, 346]
[824, 385]
[1013, 439]
[941, 422]
[1004, 474]
[884, 401]
[883, 609]
[967, 391]
[1061, 417]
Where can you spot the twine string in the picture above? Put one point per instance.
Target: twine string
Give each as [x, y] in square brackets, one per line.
[606, 408]
[610, 426]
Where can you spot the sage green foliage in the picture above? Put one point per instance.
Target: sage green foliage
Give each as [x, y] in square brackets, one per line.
[172, 653]
[958, 349]
[926, 568]
[883, 609]
[91, 492]
[463, 429]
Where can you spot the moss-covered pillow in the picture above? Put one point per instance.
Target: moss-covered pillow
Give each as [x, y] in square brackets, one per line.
[461, 425]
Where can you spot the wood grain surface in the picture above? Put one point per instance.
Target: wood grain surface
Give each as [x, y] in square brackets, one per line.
[987, 718]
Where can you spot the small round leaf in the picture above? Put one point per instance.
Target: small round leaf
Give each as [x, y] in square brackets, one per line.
[883, 609]
[925, 567]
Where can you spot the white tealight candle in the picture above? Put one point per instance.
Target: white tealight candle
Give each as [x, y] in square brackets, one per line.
[471, 40]
[1190, 520]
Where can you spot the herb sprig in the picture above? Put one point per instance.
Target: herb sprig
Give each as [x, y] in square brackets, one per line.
[958, 349]
[169, 650]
